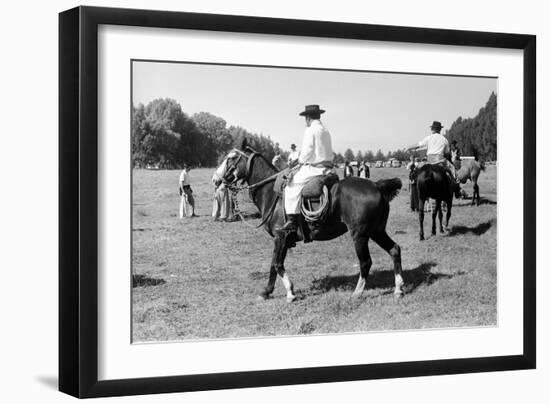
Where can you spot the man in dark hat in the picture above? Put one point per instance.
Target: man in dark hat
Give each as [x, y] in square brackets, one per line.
[315, 158]
[437, 147]
[293, 156]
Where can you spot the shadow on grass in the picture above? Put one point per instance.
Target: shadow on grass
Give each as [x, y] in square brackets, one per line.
[250, 215]
[477, 230]
[467, 201]
[143, 280]
[485, 201]
[421, 275]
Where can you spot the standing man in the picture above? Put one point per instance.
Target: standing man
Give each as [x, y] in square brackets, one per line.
[437, 148]
[293, 156]
[455, 155]
[315, 159]
[364, 170]
[222, 209]
[348, 170]
[187, 202]
[411, 168]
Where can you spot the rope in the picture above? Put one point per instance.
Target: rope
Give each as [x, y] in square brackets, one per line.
[312, 216]
[234, 193]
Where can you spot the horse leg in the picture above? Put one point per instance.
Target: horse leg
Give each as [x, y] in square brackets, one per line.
[392, 248]
[449, 208]
[277, 267]
[280, 267]
[365, 262]
[434, 215]
[440, 216]
[476, 196]
[421, 217]
[277, 256]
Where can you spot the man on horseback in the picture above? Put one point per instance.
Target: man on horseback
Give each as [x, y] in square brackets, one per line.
[437, 149]
[315, 159]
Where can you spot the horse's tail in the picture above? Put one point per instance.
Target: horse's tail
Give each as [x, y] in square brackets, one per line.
[389, 188]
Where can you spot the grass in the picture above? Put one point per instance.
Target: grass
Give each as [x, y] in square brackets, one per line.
[196, 278]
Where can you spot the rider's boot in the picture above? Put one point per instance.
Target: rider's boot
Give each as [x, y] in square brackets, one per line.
[290, 230]
[291, 225]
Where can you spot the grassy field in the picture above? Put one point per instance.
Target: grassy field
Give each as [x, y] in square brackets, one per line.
[196, 278]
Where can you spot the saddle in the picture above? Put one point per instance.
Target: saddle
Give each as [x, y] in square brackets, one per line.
[314, 188]
[315, 195]
[315, 203]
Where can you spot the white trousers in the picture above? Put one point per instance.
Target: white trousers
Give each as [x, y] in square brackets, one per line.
[293, 190]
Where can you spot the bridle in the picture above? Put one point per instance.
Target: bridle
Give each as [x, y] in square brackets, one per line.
[250, 158]
[235, 188]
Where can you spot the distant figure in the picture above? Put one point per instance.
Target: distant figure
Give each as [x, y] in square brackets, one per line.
[364, 170]
[412, 166]
[187, 202]
[455, 155]
[277, 162]
[222, 207]
[293, 156]
[348, 170]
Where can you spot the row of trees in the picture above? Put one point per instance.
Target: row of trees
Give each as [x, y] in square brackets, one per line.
[477, 136]
[371, 157]
[163, 135]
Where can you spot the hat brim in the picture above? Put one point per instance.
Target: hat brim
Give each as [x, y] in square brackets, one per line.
[306, 113]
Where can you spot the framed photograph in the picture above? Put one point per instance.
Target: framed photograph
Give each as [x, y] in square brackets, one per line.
[251, 202]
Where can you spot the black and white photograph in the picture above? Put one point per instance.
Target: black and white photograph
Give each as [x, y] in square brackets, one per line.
[274, 201]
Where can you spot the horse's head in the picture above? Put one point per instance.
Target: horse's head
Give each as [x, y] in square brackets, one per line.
[235, 165]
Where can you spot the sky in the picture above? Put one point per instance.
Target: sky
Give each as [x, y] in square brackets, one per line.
[365, 110]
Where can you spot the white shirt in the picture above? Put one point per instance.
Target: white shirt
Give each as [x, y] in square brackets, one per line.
[185, 179]
[293, 156]
[317, 145]
[435, 143]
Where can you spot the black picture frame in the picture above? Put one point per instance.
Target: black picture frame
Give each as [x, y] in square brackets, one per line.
[78, 201]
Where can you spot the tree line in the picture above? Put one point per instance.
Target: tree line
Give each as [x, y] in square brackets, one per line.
[371, 157]
[475, 136]
[165, 136]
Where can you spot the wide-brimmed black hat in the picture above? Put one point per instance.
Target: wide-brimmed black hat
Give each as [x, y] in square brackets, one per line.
[292, 146]
[312, 110]
[436, 125]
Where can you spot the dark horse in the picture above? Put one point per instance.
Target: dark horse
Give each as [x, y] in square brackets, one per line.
[433, 181]
[358, 205]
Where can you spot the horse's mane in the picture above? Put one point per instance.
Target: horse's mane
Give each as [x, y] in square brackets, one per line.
[251, 150]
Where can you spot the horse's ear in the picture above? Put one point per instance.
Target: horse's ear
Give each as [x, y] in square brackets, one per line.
[244, 144]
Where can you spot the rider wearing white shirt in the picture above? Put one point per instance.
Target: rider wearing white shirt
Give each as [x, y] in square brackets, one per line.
[293, 156]
[315, 158]
[437, 146]
[187, 203]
